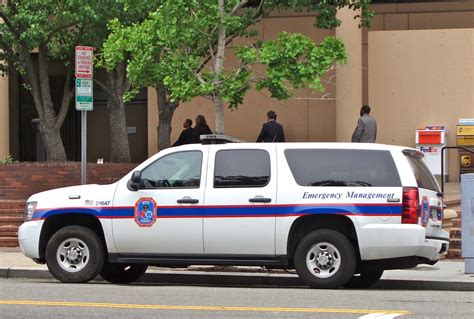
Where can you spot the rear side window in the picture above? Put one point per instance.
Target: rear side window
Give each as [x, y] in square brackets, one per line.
[423, 175]
[342, 167]
[242, 168]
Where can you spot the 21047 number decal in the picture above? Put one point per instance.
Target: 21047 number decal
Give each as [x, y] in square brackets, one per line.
[145, 212]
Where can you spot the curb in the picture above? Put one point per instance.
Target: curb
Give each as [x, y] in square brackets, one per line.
[195, 278]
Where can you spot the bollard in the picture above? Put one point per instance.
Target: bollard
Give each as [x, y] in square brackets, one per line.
[467, 221]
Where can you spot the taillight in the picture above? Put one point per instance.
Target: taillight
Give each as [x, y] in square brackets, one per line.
[411, 205]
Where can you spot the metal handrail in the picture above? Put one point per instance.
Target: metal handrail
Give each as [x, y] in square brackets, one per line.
[442, 160]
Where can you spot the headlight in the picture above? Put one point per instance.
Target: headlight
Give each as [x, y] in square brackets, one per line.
[29, 210]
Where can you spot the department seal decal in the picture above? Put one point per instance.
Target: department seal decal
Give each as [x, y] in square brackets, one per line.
[145, 212]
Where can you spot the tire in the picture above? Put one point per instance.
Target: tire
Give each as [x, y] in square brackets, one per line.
[75, 254]
[122, 273]
[325, 259]
[365, 279]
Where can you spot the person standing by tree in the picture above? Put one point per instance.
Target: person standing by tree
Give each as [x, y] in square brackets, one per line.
[366, 130]
[186, 135]
[271, 131]
[201, 128]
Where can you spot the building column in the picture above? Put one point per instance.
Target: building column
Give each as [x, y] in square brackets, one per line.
[349, 76]
[4, 117]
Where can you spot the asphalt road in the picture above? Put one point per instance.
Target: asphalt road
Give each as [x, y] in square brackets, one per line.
[50, 299]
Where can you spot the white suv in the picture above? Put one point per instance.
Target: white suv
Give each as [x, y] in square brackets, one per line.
[340, 214]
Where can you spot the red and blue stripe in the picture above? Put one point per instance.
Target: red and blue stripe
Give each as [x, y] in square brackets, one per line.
[230, 211]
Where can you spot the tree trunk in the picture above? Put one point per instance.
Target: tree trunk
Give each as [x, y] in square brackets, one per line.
[165, 116]
[50, 124]
[218, 69]
[51, 136]
[117, 86]
[119, 146]
[219, 110]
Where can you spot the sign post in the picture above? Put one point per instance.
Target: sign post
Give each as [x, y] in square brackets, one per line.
[84, 97]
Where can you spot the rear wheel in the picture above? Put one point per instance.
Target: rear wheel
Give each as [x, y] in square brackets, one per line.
[365, 279]
[122, 273]
[74, 254]
[325, 259]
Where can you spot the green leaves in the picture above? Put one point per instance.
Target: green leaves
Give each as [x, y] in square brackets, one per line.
[175, 45]
[293, 60]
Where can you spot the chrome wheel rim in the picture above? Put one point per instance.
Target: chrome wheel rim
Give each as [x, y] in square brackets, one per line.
[323, 260]
[73, 255]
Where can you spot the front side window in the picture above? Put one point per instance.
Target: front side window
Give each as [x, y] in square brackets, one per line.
[242, 168]
[177, 170]
[343, 167]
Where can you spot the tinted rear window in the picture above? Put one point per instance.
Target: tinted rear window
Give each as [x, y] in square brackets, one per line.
[423, 175]
[339, 167]
[242, 168]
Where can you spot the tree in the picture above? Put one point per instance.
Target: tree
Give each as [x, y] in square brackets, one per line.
[38, 27]
[117, 84]
[180, 49]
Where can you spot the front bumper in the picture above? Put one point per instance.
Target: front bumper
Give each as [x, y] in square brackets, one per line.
[29, 237]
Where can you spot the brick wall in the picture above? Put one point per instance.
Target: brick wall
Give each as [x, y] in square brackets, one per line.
[20, 180]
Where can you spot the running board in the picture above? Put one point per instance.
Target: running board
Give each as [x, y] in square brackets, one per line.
[168, 259]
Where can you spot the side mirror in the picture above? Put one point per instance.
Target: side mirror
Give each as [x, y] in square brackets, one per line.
[134, 183]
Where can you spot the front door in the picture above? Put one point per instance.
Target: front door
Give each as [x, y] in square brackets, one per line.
[167, 209]
[239, 218]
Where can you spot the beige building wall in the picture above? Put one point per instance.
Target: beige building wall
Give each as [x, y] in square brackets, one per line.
[419, 78]
[349, 77]
[415, 16]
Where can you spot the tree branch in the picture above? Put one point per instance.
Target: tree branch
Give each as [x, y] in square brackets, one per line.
[102, 86]
[10, 26]
[31, 79]
[68, 94]
[44, 78]
[237, 7]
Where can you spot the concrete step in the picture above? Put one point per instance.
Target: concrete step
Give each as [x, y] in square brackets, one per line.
[11, 220]
[10, 211]
[454, 253]
[8, 241]
[15, 204]
[8, 230]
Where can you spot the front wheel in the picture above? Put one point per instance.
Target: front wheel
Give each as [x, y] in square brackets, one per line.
[325, 259]
[122, 273]
[75, 254]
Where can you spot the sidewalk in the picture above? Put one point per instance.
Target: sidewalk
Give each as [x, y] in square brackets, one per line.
[445, 275]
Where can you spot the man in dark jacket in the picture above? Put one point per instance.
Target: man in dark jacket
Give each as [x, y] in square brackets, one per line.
[186, 136]
[366, 130]
[271, 131]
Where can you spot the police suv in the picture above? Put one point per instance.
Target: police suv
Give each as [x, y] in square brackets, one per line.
[339, 213]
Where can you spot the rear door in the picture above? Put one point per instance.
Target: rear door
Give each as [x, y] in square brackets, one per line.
[239, 215]
[431, 204]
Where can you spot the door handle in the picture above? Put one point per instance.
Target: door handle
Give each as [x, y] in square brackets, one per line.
[259, 199]
[187, 201]
[393, 200]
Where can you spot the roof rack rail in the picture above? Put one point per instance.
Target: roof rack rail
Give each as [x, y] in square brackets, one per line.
[218, 139]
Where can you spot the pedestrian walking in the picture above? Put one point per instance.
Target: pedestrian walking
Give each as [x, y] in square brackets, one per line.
[271, 131]
[366, 130]
[201, 128]
[186, 136]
